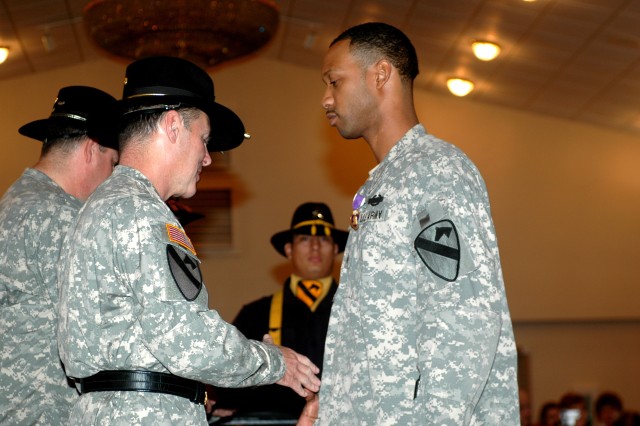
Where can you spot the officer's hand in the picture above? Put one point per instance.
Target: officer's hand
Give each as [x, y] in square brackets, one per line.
[310, 411]
[300, 372]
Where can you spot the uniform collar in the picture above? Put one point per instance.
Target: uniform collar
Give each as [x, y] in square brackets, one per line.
[403, 145]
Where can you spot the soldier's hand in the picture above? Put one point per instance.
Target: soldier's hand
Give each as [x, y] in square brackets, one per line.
[211, 402]
[310, 411]
[300, 373]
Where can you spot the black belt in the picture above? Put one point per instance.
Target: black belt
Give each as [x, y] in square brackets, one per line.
[144, 381]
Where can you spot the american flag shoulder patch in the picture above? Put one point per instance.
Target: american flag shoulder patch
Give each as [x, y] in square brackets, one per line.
[178, 236]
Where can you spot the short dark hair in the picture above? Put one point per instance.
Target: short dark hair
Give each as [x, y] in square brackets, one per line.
[608, 399]
[571, 399]
[140, 125]
[544, 411]
[65, 143]
[376, 40]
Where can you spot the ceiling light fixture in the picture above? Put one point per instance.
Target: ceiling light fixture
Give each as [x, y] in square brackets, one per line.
[4, 53]
[310, 40]
[460, 86]
[48, 42]
[206, 32]
[485, 50]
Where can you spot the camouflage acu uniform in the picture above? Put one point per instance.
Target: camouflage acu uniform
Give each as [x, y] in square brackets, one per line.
[122, 309]
[420, 331]
[35, 214]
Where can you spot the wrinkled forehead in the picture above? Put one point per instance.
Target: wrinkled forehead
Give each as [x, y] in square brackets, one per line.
[207, 122]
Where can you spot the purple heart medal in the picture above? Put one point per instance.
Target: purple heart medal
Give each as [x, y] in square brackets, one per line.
[355, 215]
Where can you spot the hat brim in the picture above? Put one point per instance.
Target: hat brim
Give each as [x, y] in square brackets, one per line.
[279, 239]
[38, 129]
[227, 130]
[52, 128]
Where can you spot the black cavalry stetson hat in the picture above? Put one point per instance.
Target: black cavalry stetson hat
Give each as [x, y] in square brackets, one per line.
[165, 82]
[77, 111]
[310, 219]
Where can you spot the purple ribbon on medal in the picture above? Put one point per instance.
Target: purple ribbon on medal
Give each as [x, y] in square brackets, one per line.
[357, 201]
[355, 215]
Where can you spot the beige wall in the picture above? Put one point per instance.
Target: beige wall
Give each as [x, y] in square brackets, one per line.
[565, 201]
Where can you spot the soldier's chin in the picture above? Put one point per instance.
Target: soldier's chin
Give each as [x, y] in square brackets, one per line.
[347, 134]
[190, 192]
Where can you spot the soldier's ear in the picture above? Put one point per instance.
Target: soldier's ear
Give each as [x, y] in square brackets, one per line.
[170, 125]
[288, 248]
[382, 70]
[89, 146]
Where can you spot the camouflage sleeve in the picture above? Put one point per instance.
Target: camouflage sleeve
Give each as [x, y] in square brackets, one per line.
[176, 326]
[460, 301]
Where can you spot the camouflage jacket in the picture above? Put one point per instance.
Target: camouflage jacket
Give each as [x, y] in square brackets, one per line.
[35, 214]
[132, 298]
[420, 331]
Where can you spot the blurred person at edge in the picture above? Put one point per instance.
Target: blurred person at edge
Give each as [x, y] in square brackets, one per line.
[79, 151]
[525, 407]
[549, 414]
[574, 410]
[608, 408]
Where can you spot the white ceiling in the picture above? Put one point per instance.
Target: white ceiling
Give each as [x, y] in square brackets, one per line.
[572, 59]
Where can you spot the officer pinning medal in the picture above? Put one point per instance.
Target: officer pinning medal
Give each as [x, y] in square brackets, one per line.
[135, 330]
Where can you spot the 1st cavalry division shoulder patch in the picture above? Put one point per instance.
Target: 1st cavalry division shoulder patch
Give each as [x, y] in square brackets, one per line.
[184, 268]
[439, 248]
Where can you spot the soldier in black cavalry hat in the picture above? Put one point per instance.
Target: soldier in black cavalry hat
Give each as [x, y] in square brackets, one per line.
[135, 328]
[298, 315]
[78, 153]
[165, 83]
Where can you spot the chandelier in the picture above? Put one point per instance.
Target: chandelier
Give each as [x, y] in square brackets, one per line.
[206, 32]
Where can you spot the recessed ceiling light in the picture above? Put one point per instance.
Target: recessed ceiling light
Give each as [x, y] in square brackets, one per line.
[4, 53]
[485, 50]
[460, 86]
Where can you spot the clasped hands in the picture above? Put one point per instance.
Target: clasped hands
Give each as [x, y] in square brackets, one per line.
[301, 376]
